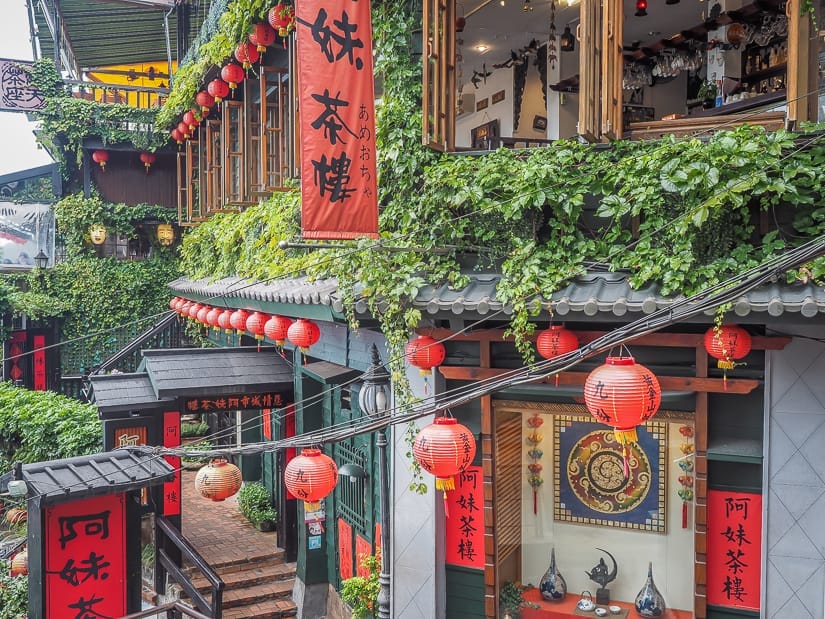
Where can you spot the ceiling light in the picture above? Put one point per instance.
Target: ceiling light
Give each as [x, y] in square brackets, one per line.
[568, 41]
[641, 8]
[526, 7]
[481, 48]
[501, 2]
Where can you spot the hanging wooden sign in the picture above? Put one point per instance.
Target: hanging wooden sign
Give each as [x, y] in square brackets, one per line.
[465, 526]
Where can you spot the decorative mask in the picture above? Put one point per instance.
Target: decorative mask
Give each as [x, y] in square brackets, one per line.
[166, 234]
[98, 234]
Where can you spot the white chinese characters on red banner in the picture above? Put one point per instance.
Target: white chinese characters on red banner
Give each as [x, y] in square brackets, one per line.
[465, 526]
[734, 549]
[338, 173]
[85, 560]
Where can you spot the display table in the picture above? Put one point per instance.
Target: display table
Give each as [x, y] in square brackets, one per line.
[567, 609]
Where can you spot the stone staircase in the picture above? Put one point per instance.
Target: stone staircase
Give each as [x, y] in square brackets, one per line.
[259, 586]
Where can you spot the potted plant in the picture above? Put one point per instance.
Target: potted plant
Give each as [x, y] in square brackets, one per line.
[191, 431]
[511, 600]
[707, 94]
[253, 501]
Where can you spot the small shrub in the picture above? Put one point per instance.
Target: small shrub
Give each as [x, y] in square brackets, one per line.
[254, 503]
[200, 428]
[14, 593]
[361, 592]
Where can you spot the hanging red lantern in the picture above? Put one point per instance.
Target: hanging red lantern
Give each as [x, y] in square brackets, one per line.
[556, 341]
[225, 321]
[444, 448]
[148, 160]
[218, 89]
[201, 315]
[193, 310]
[100, 157]
[183, 308]
[232, 74]
[173, 303]
[727, 343]
[218, 480]
[282, 18]
[425, 353]
[20, 564]
[311, 476]
[303, 333]
[277, 328]
[205, 100]
[212, 318]
[622, 394]
[191, 120]
[262, 36]
[177, 135]
[247, 54]
[238, 320]
[255, 324]
[184, 130]
[641, 8]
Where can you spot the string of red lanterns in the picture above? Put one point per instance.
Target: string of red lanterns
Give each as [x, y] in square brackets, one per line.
[303, 334]
[277, 329]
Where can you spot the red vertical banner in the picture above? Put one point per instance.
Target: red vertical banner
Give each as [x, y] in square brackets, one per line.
[362, 549]
[17, 346]
[39, 362]
[734, 549]
[465, 526]
[85, 558]
[266, 423]
[172, 489]
[337, 103]
[344, 549]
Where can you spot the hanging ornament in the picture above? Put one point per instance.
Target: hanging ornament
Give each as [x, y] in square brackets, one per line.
[727, 343]
[263, 35]
[201, 315]
[556, 341]
[551, 39]
[303, 333]
[534, 467]
[100, 157]
[277, 328]
[444, 449]
[641, 8]
[238, 320]
[191, 120]
[20, 564]
[177, 135]
[174, 302]
[183, 308]
[218, 480]
[247, 54]
[425, 353]
[686, 464]
[255, 325]
[233, 75]
[193, 311]
[218, 89]
[225, 321]
[311, 476]
[205, 100]
[184, 130]
[282, 18]
[212, 318]
[148, 159]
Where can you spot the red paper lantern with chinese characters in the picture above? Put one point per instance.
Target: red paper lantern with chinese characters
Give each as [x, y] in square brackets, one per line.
[556, 341]
[277, 328]
[255, 325]
[282, 18]
[622, 394]
[148, 159]
[444, 448]
[193, 310]
[238, 320]
[212, 318]
[201, 315]
[177, 135]
[303, 333]
[218, 89]
[247, 54]
[20, 564]
[225, 321]
[262, 36]
[727, 343]
[232, 74]
[218, 480]
[205, 100]
[311, 476]
[425, 353]
[100, 157]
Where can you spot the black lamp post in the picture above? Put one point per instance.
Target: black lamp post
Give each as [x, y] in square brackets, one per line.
[41, 260]
[374, 400]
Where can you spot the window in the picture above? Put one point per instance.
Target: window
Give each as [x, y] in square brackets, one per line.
[234, 138]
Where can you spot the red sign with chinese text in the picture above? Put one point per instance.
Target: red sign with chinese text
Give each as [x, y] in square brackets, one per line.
[734, 549]
[234, 402]
[172, 489]
[362, 549]
[266, 423]
[465, 524]
[344, 549]
[85, 558]
[39, 362]
[337, 93]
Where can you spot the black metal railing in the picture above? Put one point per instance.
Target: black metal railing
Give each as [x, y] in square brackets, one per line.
[211, 608]
[173, 610]
[134, 96]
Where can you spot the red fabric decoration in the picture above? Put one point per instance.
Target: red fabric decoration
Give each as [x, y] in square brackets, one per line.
[212, 318]
[425, 353]
[177, 135]
[311, 476]
[218, 480]
[225, 321]
[727, 343]
[20, 564]
[622, 394]
[205, 100]
[193, 310]
[263, 35]
[218, 89]
[276, 329]
[100, 157]
[247, 54]
[282, 18]
[238, 320]
[148, 159]
[444, 448]
[303, 333]
[232, 74]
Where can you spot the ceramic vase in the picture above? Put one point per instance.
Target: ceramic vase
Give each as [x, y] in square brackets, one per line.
[552, 585]
[649, 602]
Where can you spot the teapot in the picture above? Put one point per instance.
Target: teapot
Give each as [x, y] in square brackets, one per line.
[586, 602]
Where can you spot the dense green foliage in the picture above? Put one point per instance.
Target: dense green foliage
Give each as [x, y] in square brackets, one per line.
[255, 504]
[14, 593]
[361, 592]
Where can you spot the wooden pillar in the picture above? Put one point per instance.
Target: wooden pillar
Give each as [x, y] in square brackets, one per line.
[490, 593]
[700, 491]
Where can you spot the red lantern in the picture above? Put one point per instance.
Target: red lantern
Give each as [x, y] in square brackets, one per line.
[212, 318]
[311, 477]
[173, 303]
[100, 157]
[622, 394]
[184, 130]
[641, 8]
[191, 120]
[148, 159]
[177, 135]
[255, 324]
[20, 564]
[225, 321]
[238, 320]
[205, 100]
[727, 343]
[193, 310]
[444, 448]
[263, 35]
[276, 329]
[556, 341]
[303, 333]
[232, 74]
[247, 54]
[218, 480]
[183, 308]
[218, 89]
[201, 315]
[282, 18]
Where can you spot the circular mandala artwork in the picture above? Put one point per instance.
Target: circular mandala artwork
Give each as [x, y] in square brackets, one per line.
[595, 470]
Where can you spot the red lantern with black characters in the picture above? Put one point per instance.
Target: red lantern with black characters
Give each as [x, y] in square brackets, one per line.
[622, 394]
[444, 448]
[225, 321]
[255, 324]
[303, 333]
[191, 120]
[277, 329]
[232, 74]
[238, 320]
[262, 36]
[247, 54]
[205, 100]
[311, 476]
[282, 18]
[183, 308]
[212, 318]
[148, 159]
[218, 480]
[101, 157]
[425, 353]
[173, 303]
[218, 89]
[727, 343]
[556, 341]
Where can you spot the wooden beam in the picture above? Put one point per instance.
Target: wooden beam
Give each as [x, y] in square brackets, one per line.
[670, 383]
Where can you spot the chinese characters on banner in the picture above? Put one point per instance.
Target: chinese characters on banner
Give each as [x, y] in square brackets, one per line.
[344, 549]
[39, 362]
[172, 489]
[17, 94]
[362, 549]
[465, 526]
[734, 548]
[338, 173]
[85, 550]
[234, 402]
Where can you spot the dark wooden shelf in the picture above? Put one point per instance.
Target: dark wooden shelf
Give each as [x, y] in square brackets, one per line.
[733, 449]
[741, 106]
[760, 75]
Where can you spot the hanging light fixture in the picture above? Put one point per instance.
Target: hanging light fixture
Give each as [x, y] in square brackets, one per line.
[555, 341]
[218, 480]
[303, 333]
[238, 320]
[425, 353]
[641, 8]
[262, 36]
[311, 476]
[727, 344]
[567, 42]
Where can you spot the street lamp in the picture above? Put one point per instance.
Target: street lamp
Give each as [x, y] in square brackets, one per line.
[373, 399]
[41, 260]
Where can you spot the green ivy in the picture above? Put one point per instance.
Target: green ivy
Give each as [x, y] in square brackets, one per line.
[14, 593]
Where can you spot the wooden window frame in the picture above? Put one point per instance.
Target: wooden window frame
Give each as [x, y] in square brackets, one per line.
[279, 134]
[438, 101]
[228, 155]
[213, 197]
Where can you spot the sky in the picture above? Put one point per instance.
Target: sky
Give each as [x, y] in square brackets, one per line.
[18, 148]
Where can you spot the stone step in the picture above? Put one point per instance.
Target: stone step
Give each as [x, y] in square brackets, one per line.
[277, 590]
[254, 557]
[264, 609]
[252, 575]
